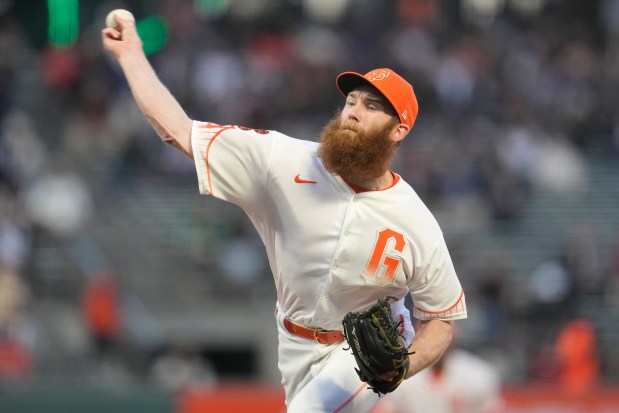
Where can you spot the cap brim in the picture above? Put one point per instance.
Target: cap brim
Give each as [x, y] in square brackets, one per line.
[347, 81]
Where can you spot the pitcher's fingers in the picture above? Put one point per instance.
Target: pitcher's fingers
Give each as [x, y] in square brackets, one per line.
[110, 33]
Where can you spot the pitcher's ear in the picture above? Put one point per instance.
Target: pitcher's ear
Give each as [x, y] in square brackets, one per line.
[400, 132]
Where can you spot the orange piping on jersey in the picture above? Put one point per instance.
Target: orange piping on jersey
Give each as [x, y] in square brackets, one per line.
[339, 409]
[208, 148]
[209, 125]
[435, 313]
[358, 189]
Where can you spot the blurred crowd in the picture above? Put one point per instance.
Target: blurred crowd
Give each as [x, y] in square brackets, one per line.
[515, 98]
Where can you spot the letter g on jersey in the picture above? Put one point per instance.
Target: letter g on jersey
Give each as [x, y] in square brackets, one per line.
[385, 258]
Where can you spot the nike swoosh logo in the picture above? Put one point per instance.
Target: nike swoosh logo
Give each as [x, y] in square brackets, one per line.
[300, 180]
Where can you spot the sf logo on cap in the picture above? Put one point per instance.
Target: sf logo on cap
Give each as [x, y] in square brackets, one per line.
[378, 74]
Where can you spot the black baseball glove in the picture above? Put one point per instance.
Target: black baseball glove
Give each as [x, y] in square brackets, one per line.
[377, 346]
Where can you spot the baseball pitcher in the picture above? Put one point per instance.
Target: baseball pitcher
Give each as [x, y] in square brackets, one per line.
[347, 239]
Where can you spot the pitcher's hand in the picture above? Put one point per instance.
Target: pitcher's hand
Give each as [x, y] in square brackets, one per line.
[123, 40]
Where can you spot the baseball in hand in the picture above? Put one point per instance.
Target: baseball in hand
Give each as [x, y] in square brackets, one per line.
[122, 13]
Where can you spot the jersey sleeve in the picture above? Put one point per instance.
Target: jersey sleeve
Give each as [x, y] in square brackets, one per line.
[435, 288]
[231, 161]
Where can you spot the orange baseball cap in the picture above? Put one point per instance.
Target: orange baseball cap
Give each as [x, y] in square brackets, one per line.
[398, 91]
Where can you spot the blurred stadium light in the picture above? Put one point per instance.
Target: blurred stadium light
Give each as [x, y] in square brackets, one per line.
[64, 22]
[154, 33]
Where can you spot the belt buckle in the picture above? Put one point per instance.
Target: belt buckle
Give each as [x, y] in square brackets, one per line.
[316, 332]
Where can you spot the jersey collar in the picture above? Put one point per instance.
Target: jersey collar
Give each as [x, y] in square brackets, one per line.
[358, 189]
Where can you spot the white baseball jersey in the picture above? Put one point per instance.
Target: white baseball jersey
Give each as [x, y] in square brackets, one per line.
[331, 248]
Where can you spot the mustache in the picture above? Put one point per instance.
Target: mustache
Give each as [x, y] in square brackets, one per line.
[349, 125]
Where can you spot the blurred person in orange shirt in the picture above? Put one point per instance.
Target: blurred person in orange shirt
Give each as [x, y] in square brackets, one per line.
[100, 311]
[577, 356]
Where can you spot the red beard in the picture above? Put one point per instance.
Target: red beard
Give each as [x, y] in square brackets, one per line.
[347, 150]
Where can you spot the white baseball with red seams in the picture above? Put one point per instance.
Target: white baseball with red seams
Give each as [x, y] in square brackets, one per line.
[331, 250]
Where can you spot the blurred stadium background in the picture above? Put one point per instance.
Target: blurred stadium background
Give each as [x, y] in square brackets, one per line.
[120, 286]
